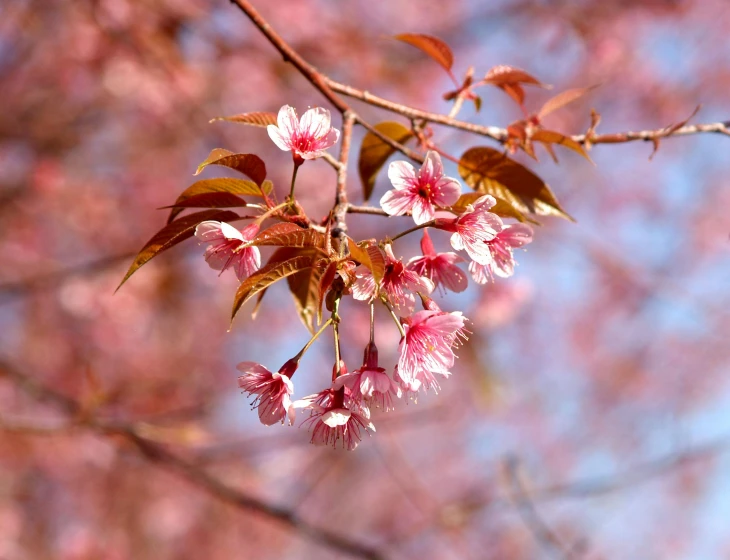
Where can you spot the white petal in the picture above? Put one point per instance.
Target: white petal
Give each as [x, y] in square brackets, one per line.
[401, 174]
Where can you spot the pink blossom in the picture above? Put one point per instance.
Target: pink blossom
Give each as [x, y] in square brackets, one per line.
[427, 345]
[440, 268]
[307, 138]
[228, 247]
[336, 418]
[419, 193]
[473, 228]
[273, 390]
[398, 283]
[370, 384]
[502, 262]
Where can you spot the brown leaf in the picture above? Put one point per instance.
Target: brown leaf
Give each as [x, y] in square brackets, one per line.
[561, 100]
[174, 233]
[432, 46]
[254, 119]
[220, 185]
[250, 165]
[503, 208]
[209, 200]
[289, 235]
[328, 276]
[305, 287]
[489, 171]
[369, 256]
[268, 275]
[551, 137]
[374, 152]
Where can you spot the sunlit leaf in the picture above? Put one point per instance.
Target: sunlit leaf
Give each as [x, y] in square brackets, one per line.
[253, 119]
[374, 152]
[268, 275]
[174, 233]
[289, 235]
[432, 46]
[250, 165]
[551, 137]
[241, 187]
[209, 200]
[561, 100]
[369, 256]
[489, 171]
[502, 208]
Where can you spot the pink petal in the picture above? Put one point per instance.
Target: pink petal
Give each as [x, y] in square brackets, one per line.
[422, 210]
[229, 232]
[282, 141]
[315, 122]
[446, 191]
[401, 175]
[288, 122]
[516, 235]
[209, 231]
[432, 170]
[397, 202]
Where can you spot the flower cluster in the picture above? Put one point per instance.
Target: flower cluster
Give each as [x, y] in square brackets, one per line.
[370, 272]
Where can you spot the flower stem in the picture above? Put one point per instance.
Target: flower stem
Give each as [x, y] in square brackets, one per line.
[324, 326]
[297, 164]
[372, 322]
[335, 319]
[395, 318]
[411, 230]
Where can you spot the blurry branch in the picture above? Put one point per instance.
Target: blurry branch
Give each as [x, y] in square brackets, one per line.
[81, 417]
[543, 534]
[20, 288]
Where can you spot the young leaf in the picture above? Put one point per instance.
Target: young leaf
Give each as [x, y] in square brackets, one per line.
[561, 100]
[489, 171]
[289, 235]
[432, 46]
[509, 78]
[220, 185]
[548, 137]
[263, 119]
[268, 275]
[325, 283]
[305, 287]
[369, 256]
[248, 164]
[174, 233]
[374, 152]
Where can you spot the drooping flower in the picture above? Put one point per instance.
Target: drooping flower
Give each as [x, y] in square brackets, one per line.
[502, 262]
[419, 193]
[306, 138]
[370, 384]
[473, 228]
[335, 418]
[440, 268]
[398, 283]
[273, 390]
[426, 348]
[228, 248]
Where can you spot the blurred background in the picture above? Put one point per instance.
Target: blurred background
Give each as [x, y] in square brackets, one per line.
[586, 417]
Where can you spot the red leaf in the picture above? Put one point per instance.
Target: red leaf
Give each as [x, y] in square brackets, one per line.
[548, 137]
[286, 234]
[509, 78]
[209, 200]
[254, 119]
[174, 233]
[248, 164]
[432, 46]
[369, 256]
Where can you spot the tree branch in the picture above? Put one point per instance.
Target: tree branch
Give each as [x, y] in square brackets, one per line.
[161, 457]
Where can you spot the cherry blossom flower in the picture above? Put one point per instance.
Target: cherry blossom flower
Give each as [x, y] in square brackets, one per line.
[440, 268]
[336, 418]
[473, 228]
[370, 384]
[273, 390]
[228, 248]
[419, 193]
[426, 348]
[306, 138]
[502, 262]
[398, 283]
